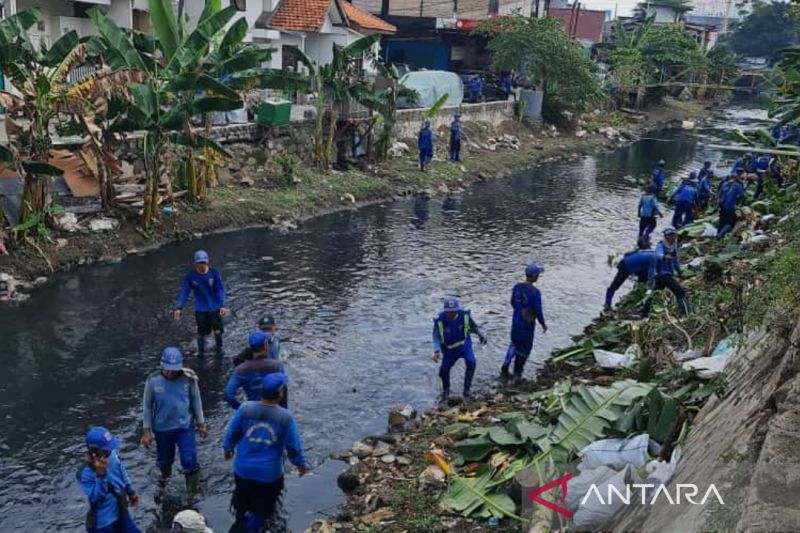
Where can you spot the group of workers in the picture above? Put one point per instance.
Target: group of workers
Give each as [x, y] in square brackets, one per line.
[258, 435]
[660, 268]
[425, 142]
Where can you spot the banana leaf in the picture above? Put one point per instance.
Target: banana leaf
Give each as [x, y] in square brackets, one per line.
[528, 431]
[504, 437]
[469, 496]
[116, 40]
[475, 449]
[741, 137]
[437, 105]
[233, 37]
[196, 44]
[60, 49]
[165, 26]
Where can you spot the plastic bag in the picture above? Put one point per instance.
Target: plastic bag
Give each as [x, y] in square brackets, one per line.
[612, 360]
[616, 453]
[724, 346]
[707, 367]
[578, 486]
[595, 512]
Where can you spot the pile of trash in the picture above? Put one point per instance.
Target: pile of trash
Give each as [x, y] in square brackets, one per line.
[505, 142]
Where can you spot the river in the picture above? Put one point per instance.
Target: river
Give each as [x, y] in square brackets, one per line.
[354, 293]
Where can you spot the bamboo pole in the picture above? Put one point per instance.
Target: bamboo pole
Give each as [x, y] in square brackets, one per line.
[739, 148]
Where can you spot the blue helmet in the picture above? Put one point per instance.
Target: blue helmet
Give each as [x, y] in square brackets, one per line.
[273, 382]
[100, 437]
[451, 305]
[533, 270]
[201, 256]
[172, 359]
[692, 175]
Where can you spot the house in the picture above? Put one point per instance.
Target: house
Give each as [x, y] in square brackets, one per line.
[585, 25]
[664, 13]
[63, 16]
[439, 35]
[316, 26]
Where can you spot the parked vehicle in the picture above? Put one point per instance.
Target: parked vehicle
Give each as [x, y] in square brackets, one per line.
[430, 85]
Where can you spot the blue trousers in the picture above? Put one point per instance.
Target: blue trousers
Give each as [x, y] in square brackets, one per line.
[449, 359]
[123, 525]
[518, 351]
[684, 214]
[425, 157]
[184, 440]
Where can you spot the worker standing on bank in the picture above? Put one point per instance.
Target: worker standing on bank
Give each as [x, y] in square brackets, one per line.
[452, 341]
[704, 188]
[209, 301]
[425, 145]
[258, 435]
[663, 271]
[455, 139]
[249, 374]
[526, 301]
[105, 482]
[658, 178]
[648, 211]
[172, 412]
[705, 171]
[634, 263]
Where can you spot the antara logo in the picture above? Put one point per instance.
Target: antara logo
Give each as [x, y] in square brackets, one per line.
[683, 493]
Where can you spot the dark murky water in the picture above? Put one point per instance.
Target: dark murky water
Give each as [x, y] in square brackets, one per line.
[354, 292]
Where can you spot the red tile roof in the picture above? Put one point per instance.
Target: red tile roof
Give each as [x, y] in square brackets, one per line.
[301, 15]
[366, 20]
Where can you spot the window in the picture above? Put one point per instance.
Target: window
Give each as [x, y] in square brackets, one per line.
[241, 5]
[494, 6]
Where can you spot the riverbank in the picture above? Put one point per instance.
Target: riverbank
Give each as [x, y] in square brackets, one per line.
[457, 466]
[253, 193]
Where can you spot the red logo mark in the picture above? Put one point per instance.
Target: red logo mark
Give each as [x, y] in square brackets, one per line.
[560, 482]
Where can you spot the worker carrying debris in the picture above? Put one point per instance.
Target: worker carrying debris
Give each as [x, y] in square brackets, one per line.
[648, 211]
[526, 300]
[658, 177]
[686, 200]
[731, 193]
[663, 271]
[452, 331]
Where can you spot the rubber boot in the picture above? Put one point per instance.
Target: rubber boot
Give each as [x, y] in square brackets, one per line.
[193, 483]
[201, 345]
[445, 395]
[218, 344]
[505, 375]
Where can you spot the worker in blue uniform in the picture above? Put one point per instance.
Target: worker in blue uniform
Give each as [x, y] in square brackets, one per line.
[634, 263]
[209, 301]
[258, 435]
[425, 145]
[452, 341]
[455, 139]
[106, 483]
[686, 199]
[658, 178]
[663, 271]
[526, 302]
[648, 211]
[762, 166]
[249, 374]
[476, 87]
[266, 322]
[171, 411]
[731, 193]
[704, 189]
[705, 171]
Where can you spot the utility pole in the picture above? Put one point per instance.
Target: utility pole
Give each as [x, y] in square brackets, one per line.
[728, 4]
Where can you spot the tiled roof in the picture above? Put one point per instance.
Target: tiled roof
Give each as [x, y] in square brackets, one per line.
[301, 15]
[366, 20]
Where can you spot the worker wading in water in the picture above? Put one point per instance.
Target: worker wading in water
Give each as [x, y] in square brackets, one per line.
[451, 341]
[209, 301]
[526, 301]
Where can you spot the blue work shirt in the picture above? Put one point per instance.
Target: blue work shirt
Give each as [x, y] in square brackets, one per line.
[658, 177]
[730, 194]
[248, 377]
[704, 187]
[455, 131]
[425, 141]
[762, 165]
[704, 172]
[686, 193]
[476, 84]
[638, 261]
[452, 336]
[526, 301]
[662, 265]
[103, 491]
[648, 206]
[172, 403]
[260, 434]
[739, 163]
[208, 290]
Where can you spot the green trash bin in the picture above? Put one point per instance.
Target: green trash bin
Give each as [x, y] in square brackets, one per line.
[274, 113]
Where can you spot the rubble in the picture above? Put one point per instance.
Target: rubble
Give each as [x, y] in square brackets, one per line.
[103, 224]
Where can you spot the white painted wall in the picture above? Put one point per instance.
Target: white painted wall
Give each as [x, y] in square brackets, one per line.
[58, 17]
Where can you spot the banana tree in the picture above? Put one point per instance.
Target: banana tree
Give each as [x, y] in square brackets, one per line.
[336, 84]
[168, 96]
[45, 98]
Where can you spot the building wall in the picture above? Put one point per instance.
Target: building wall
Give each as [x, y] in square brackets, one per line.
[467, 9]
[59, 18]
[419, 53]
[664, 15]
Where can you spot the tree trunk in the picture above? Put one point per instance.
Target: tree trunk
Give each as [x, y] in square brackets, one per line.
[319, 141]
[34, 197]
[333, 117]
[152, 160]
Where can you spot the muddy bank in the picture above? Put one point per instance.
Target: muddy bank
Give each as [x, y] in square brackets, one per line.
[261, 200]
